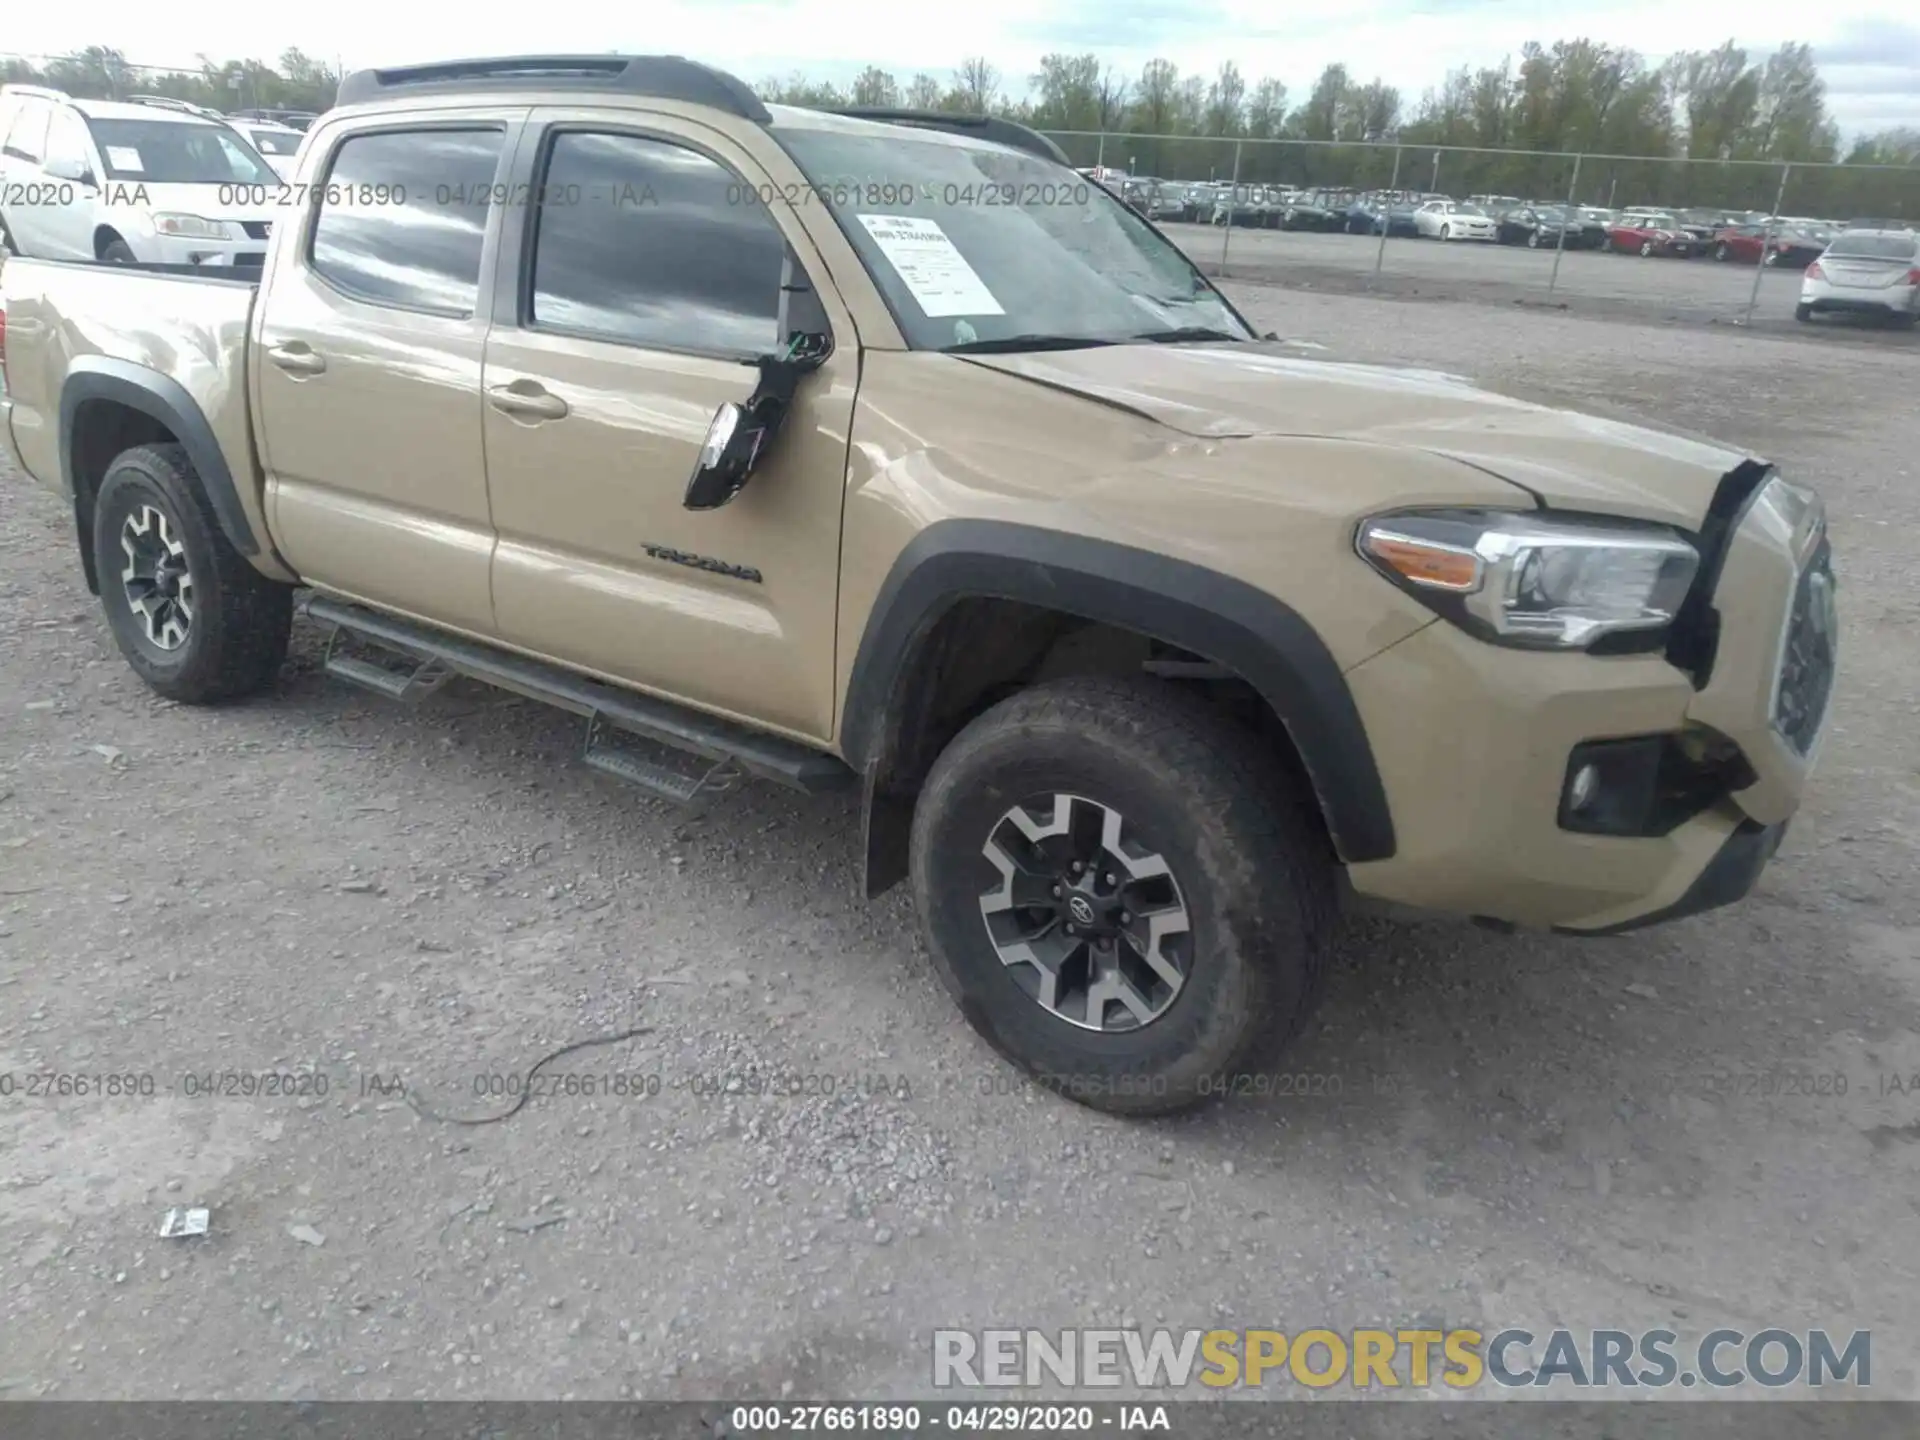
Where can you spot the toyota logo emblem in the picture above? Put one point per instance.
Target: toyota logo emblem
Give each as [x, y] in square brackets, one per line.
[1081, 909]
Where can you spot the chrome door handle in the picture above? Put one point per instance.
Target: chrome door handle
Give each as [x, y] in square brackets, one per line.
[296, 358]
[535, 403]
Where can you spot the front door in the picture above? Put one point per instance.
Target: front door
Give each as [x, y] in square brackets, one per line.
[368, 350]
[653, 279]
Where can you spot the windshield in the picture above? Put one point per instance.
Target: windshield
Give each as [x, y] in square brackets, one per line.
[1873, 247]
[973, 243]
[274, 142]
[178, 152]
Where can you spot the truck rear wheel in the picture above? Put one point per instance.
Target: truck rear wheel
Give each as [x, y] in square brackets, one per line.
[1122, 891]
[195, 621]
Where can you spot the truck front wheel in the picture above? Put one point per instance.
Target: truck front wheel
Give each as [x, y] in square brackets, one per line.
[1123, 892]
[195, 621]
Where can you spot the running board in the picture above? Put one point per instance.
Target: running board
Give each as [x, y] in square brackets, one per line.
[728, 749]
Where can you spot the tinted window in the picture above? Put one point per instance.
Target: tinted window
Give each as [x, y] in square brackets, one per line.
[27, 140]
[404, 217]
[652, 244]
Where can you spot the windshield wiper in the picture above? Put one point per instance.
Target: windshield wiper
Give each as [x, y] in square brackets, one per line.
[1186, 332]
[1013, 343]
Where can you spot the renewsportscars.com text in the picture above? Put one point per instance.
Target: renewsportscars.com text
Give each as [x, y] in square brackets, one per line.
[1458, 1359]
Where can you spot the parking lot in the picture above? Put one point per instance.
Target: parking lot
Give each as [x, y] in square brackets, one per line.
[1662, 290]
[1710, 1124]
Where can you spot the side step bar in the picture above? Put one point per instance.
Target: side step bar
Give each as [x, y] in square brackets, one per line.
[729, 749]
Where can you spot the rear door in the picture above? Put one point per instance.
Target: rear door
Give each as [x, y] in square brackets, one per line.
[367, 345]
[631, 306]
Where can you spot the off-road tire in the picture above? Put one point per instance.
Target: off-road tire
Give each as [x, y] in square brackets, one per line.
[1255, 871]
[237, 636]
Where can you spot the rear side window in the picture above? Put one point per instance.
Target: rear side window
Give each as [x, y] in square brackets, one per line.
[404, 215]
[27, 138]
[653, 244]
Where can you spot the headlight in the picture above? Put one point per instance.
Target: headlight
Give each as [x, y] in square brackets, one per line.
[1794, 514]
[190, 225]
[1518, 579]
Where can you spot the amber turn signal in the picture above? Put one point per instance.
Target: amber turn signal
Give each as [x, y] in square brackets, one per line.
[1444, 567]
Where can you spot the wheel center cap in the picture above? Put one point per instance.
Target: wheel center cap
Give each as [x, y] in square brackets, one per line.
[1081, 909]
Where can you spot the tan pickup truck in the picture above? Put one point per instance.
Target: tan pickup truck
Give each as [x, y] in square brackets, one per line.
[887, 451]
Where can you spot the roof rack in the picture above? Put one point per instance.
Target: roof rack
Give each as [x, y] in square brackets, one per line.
[167, 102]
[999, 130]
[38, 92]
[659, 77]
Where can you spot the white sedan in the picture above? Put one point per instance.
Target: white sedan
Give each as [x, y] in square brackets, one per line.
[1451, 220]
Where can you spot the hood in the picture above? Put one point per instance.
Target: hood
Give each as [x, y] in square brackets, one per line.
[1569, 460]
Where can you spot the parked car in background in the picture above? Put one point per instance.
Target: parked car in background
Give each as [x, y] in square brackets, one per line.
[1540, 226]
[1650, 233]
[1453, 220]
[1375, 214]
[292, 119]
[1315, 210]
[150, 181]
[1494, 204]
[279, 145]
[1794, 248]
[1865, 272]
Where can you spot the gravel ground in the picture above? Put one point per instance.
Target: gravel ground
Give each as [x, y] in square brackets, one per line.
[1503, 1130]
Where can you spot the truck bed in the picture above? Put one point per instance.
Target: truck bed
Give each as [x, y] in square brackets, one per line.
[183, 324]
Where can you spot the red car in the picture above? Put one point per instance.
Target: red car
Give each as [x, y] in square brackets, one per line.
[1796, 249]
[1646, 233]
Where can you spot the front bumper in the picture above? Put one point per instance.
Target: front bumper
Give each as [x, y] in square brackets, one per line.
[1474, 741]
[243, 253]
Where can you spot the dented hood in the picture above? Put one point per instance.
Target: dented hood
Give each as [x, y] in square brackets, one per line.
[1569, 460]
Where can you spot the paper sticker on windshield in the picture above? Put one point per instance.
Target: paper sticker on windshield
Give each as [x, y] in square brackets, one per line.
[124, 157]
[938, 275]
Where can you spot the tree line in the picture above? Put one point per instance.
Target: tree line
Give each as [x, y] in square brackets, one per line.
[99, 72]
[1734, 118]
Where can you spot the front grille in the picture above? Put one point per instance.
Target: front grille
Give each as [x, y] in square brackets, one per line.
[1808, 655]
[257, 229]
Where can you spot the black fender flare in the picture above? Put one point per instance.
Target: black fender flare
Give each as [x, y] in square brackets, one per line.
[141, 388]
[1228, 621]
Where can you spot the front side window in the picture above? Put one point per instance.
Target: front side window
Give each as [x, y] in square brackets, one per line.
[403, 217]
[975, 244]
[177, 152]
[646, 242]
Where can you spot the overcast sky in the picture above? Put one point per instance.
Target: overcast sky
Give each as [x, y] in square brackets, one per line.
[1871, 61]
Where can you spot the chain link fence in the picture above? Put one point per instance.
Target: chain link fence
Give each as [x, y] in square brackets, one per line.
[1317, 212]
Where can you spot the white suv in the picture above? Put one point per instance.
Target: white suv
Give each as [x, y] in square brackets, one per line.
[149, 182]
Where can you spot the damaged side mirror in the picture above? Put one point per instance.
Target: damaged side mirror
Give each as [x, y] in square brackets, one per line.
[739, 435]
[732, 445]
